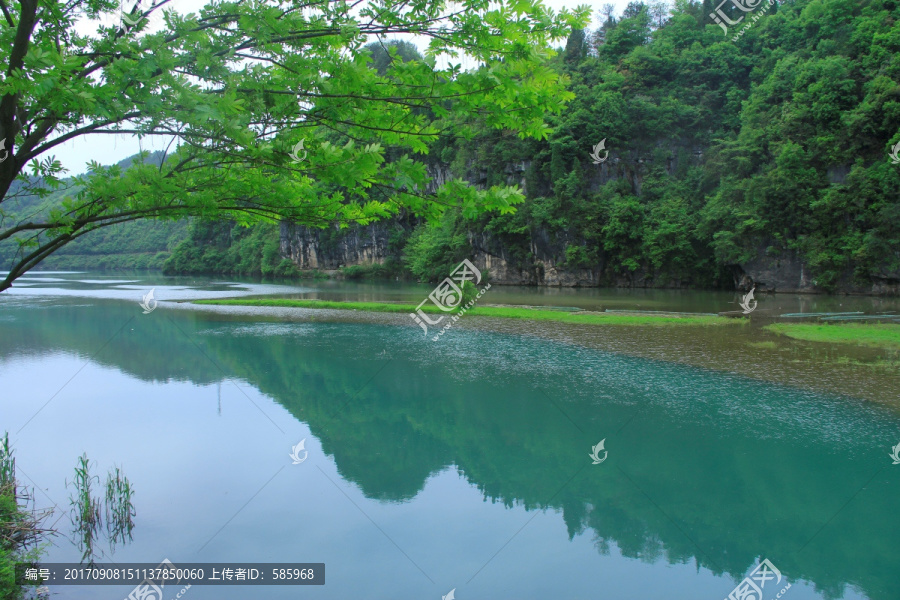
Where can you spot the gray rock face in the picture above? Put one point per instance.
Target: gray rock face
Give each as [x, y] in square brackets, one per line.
[329, 249]
[886, 282]
[784, 272]
[545, 266]
[545, 262]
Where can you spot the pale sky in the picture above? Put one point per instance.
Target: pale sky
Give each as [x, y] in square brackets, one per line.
[109, 149]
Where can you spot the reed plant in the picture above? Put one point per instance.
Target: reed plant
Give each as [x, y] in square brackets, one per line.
[92, 517]
[86, 515]
[21, 531]
[120, 511]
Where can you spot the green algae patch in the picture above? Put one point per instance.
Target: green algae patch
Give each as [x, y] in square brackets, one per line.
[873, 335]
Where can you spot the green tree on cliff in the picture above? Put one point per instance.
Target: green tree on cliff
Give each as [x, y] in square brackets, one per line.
[238, 87]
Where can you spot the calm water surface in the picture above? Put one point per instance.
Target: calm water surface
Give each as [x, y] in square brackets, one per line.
[460, 464]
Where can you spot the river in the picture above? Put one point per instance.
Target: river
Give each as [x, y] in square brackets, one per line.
[461, 464]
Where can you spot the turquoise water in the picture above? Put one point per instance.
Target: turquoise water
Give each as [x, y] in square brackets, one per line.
[459, 464]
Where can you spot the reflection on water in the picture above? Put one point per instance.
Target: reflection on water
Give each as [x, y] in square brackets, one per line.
[183, 287]
[454, 451]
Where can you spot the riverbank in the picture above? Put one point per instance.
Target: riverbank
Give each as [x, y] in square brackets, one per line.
[581, 317]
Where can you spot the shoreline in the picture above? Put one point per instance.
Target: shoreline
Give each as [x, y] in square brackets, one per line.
[336, 275]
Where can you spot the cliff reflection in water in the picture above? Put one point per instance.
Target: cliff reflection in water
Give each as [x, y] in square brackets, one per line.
[702, 466]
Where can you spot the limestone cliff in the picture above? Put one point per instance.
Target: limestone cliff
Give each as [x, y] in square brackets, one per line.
[543, 262]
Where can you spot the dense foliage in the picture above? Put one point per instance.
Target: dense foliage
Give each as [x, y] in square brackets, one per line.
[770, 141]
[239, 88]
[222, 247]
[143, 244]
[722, 149]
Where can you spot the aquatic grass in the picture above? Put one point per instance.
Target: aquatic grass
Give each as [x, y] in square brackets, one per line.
[875, 335]
[549, 314]
[890, 364]
[598, 318]
[7, 465]
[120, 510]
[763, 345]
[86, 515]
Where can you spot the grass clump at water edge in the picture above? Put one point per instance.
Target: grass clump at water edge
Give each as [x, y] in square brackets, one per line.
[21, 532]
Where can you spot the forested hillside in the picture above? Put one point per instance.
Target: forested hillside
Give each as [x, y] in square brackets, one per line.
[755, 156]
[722, 152]
[142, 244]
[726, 156]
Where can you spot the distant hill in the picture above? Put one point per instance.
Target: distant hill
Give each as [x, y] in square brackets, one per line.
[144, 244]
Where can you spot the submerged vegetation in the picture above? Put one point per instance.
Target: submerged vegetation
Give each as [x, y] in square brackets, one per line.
[875, 335]
[582, 317]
